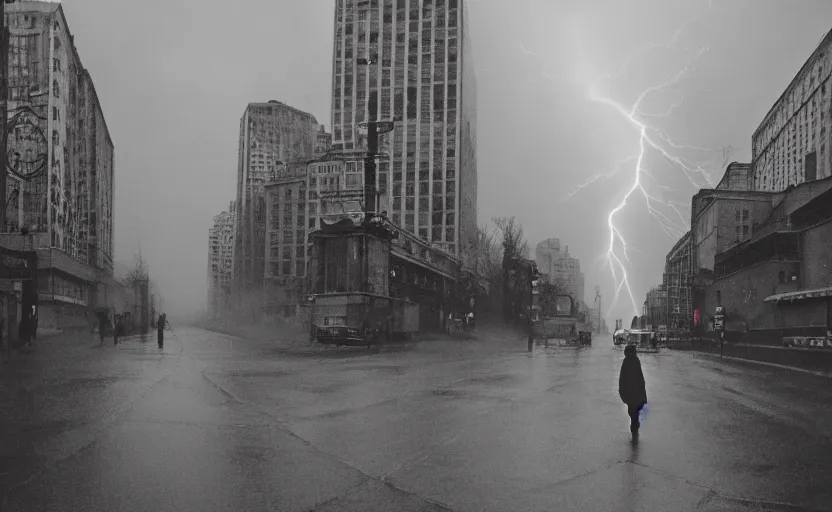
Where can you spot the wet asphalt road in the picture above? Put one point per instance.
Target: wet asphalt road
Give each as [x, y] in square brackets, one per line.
[218, 423]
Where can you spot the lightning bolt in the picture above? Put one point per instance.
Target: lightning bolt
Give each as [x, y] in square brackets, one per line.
[653, 139]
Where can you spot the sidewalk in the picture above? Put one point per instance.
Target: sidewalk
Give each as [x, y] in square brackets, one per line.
[817, 361]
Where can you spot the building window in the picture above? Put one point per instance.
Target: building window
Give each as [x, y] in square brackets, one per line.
[56, 92]
[781, 277]
[745, 231]
[718, 298]
[745, 215]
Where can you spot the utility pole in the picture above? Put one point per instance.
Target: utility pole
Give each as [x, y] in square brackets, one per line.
[531, 303]
[4, 95]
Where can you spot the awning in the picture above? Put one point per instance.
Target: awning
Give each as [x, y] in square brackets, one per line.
[820, 293]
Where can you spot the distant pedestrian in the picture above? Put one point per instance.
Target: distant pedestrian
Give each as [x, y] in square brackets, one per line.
[631, 387]
[160, 329]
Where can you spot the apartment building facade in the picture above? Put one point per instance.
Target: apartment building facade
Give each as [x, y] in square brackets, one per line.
[220, 261]
[60, 167]
[271, 134]
[792, 144]
[297, 198]
[411, 60]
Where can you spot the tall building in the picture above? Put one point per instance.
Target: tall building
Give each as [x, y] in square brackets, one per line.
[220, 261]
[60, 167]
[655, 307]
[678, 281]
[411, 59]
[563, 270]
[791, 145]
[270, 134]
[323, 142]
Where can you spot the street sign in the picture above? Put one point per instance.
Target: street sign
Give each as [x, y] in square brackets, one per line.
[719, 319]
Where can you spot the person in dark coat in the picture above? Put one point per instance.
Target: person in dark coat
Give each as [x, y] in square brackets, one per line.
[631, 387]
[160, 329]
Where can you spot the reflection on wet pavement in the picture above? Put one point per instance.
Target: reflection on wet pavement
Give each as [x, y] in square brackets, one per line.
[217, 423]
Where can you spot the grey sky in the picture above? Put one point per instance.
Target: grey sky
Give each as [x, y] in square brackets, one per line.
[174, 80]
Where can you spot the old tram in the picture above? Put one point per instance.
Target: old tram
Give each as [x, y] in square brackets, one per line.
[372, 281]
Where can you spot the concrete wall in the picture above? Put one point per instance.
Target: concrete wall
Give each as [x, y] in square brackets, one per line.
[816, 244]
[714, 229]
[743, 294]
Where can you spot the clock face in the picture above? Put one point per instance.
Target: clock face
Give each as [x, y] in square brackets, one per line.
[26, 145]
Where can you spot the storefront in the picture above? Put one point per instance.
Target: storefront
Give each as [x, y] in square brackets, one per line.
[18, 291]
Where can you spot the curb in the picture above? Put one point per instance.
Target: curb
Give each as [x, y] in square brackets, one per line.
[762, 363]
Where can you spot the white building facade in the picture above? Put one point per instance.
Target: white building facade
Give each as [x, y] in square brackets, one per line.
[792, 143]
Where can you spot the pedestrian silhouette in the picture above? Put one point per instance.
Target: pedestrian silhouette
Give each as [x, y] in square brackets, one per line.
[160, 329]
[631, 387]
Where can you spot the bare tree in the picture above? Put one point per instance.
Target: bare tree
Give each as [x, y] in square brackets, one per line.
[511, 234]
[138, 273]
[487, 254]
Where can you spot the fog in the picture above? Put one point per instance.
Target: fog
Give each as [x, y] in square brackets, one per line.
[174, 78]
